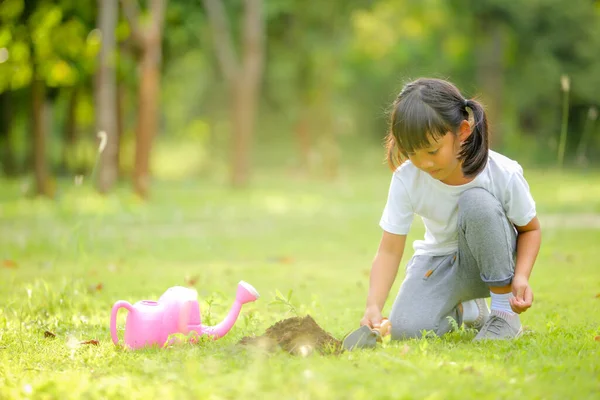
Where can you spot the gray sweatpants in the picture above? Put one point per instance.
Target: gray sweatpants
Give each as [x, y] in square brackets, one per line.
[434, 286]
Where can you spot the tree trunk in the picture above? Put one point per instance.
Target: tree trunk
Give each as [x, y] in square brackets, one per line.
[302, 133]
[7, 156]
[70, 129]
[243, 81]
[243, 121]
[586, 135]
[246, 89]
[38, 90]
[147, 120]
[328, 143]
[121, 92]
[149, 40]
[490, 74]
[305, 90]
[106, 95]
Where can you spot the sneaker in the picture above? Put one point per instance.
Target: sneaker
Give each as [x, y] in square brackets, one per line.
[500, 326]
[484, 315]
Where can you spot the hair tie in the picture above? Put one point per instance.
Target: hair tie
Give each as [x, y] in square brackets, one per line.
[466, 103]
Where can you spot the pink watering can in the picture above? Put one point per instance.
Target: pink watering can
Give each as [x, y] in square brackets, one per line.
[150, 323]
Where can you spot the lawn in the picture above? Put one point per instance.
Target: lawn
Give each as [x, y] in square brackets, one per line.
[65, 263]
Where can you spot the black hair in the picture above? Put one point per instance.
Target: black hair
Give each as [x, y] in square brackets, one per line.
[426, 110]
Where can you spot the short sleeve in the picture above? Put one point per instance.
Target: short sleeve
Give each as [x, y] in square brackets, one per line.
[519, 204]
[398, 212]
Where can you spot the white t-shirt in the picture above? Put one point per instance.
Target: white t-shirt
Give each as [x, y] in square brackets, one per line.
[413, 191]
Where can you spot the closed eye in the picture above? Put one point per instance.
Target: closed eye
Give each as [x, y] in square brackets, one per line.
[432, 152]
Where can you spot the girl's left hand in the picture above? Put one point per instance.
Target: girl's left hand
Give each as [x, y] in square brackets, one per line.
[523, 294]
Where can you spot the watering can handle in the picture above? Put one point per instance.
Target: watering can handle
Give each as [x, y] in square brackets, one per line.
[113, 318]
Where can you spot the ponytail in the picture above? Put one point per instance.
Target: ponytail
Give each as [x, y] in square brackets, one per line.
[475, 149]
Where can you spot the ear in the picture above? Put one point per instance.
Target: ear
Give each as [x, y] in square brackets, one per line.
[464, 130]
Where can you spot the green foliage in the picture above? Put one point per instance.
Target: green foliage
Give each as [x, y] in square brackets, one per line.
[184, 156]
[81, 157]
[396, 41]
[335, 66]
[551, 44]
[284, 301]
[51, 43]
[16, 69]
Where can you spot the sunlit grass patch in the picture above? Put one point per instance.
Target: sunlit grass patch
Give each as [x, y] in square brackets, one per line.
[306, 246]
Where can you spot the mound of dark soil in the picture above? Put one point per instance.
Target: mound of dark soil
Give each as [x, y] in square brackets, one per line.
[297, 336]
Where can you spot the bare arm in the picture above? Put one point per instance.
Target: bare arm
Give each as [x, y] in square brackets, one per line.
[383, 273]
[528, 246]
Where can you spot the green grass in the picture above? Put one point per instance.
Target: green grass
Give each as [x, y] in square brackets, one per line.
[314, 238]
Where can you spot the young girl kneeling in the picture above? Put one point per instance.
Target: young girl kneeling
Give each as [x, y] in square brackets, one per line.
[482, 234]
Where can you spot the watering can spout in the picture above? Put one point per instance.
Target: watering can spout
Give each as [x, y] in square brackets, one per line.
[245, 294]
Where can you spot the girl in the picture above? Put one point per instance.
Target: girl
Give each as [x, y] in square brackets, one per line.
[482, 234]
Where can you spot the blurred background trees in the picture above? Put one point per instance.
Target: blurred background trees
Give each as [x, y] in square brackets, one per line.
[198, 88]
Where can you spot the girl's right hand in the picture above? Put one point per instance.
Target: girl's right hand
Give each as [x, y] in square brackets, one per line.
[372, 317]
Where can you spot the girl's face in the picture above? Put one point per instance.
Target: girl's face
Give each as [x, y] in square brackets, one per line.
[440, 159]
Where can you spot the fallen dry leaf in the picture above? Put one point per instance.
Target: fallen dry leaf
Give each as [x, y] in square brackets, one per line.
[9, 264]
[96, 288]
[469, 369]
[49, 334]
[597, 338]
[598, 295]
[191, 280]
[93, 341]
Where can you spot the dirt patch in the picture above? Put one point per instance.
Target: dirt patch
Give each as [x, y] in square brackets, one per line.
[297, 336]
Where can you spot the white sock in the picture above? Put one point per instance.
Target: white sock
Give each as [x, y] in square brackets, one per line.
[470, 311]
[500, 302]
